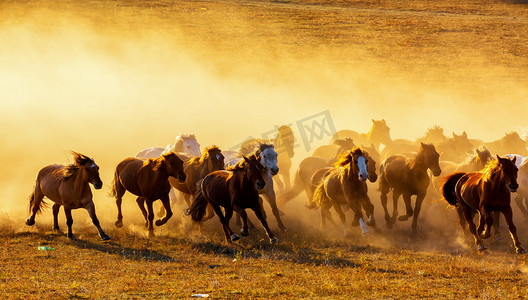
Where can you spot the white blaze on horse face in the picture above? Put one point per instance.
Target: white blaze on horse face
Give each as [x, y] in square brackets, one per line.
[93, 165]
[269, 158]
[218, 156]
[362, 165]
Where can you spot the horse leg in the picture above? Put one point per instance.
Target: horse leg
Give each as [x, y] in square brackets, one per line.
[519, 200]
[508, 215]
[395, 196]
[119, 192]
[168, 211]
[150, 217]
[417, 207]
[488, 219]
[210, 213]
[69, 222]
[260, 215]
[342, 217]
[369, 209]
[383, 198]
[408, 208]
[141, 203]
[56, 208]
[91, 211]
[496, 225]
[270, 196]
[241, 213]
[462, 220]
[37, 197]
[472, 228]
[229, 235]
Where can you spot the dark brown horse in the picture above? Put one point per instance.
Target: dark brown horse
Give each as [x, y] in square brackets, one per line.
[407, 177]
[67, 186]
[345, 185]
[485, 192]
[149, 180]
[235, 189]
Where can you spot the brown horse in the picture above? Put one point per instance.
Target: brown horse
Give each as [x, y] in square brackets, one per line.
[234, 189]
[67, 186]
[149, 180]
[345, 185]
[196, 168]
[485, 192]
[407, 176]
[456, 149]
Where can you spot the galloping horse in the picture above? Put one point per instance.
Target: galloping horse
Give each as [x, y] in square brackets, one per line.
[378, 134]
[485, 192]
[456, 149]
[237, 189]
[345, 185]
[186, 143]
[407, 176]
[67, 186]
[268, 158]
[522, 193]
[510, 143]
[149, 180]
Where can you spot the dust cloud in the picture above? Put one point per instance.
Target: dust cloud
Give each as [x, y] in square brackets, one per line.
[109, 78]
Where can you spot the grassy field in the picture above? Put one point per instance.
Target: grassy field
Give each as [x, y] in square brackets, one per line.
[399, 53]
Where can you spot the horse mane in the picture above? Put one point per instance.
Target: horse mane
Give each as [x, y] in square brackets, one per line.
[491, 168]
[241, 164]
[158, 162]
[70, 170]
[262, 147]
[347, 157]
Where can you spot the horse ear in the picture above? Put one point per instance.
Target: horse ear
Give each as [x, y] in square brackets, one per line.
[464, 134]
[498, 158]
[245, 158]
[514, 159]
[422, 145]
[373, 121]
[478, 152]
[383, 120]
[454, 135]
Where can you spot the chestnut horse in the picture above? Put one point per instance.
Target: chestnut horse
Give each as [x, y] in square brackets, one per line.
[378, 134]
[407, 176]
[67, 186]
[485, 192]
[149, 180]
[234, 189]
[345, 185]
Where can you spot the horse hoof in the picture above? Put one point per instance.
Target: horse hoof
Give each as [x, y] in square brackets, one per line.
[119, 224]
[151, 235]
[105, 237]
[389, 225]
[71, 236]
[160, 222]
[244, 232]
[234, 237]
[30, 222]
[274, 240]
[403, 218]
[520, 250]
[482, 248]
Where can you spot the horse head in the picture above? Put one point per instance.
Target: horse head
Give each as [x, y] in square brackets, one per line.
[380, 132]
[431, 158]
[174, 166]
[483, 156]
[356, 160]
[214, 157]
[509, 172]
[268, 157]
[435, 134]
[285, 140]
[255, 171]
[461, 143]
[89, 169]
[189, 144]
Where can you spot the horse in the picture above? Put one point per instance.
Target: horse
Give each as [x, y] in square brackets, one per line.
[456, 149]
[510, 143]
[149, 180]
[521, 197]
[335, 149]
[407, 176]
[234, 189]
[186, 143]
[433, 135]
[196, 168]
[378, 134]
[267, 156]
[485, 192]
[284, 144]
[345, 185]
[67, 186]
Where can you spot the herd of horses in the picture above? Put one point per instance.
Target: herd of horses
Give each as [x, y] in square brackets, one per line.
[460, 170]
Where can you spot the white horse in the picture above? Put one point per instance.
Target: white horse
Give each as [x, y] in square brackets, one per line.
[522, 178]
[268, 157]
[185, 143]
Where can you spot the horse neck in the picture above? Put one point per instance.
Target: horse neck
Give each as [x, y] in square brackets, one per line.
[178, 146]
[348, 173]
[418, 163]
[80, 181]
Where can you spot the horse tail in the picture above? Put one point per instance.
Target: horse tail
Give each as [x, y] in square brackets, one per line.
[198, 207]
[319, 197]
[33, 203]
[113, 187]
[448, 187]
[294, 191]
